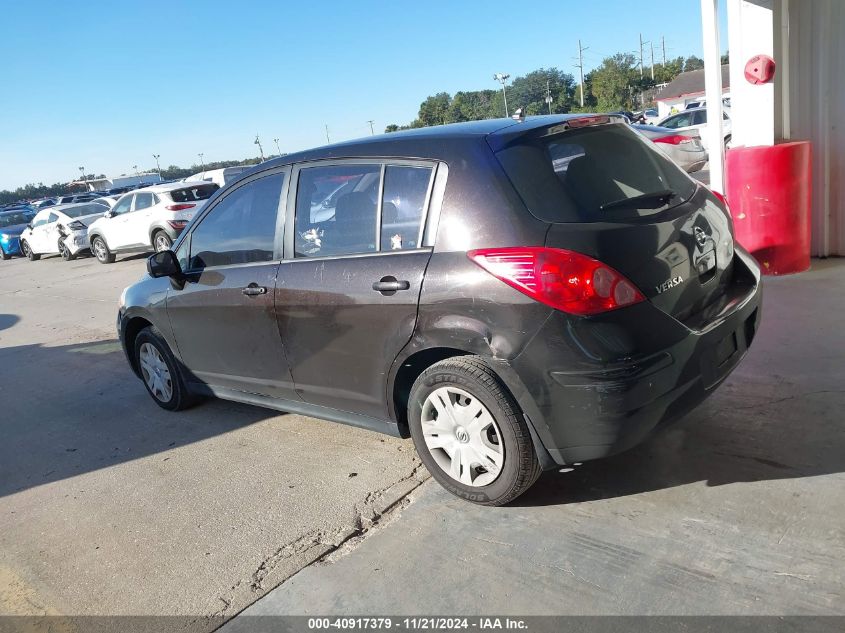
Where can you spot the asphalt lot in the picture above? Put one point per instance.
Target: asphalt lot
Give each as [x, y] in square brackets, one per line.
[109, 505]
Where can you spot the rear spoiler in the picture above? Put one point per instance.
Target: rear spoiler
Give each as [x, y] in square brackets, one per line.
[535, 128]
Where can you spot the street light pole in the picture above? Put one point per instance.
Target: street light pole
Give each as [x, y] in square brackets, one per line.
[260, 150]
[276, 141]
[372, 131]
[82, 172]
[549, 96]
[135, 167]
[158, 167]
[502, 78]
[202, 162]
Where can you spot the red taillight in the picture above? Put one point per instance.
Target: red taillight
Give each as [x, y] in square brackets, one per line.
[673, 139]
[562, 279]
[179, 207]
[178, 224]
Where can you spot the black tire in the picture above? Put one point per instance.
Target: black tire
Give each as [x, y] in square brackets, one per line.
[4, 255]
[728, 139]
[27, 250]
[180, 397]
[520, 469]
[101, 250]
[159, 240]
[64, 251]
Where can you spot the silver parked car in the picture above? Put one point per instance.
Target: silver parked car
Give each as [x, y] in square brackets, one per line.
[682, 146]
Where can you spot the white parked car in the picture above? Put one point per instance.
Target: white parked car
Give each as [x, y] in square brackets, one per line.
[60, 230]
[152, 217]
[682, 146]
[696, 119]
[220, 176]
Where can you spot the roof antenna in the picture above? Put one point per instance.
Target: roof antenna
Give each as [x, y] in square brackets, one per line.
[519, 115]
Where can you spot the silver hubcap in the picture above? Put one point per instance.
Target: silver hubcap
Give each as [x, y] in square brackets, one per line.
[162, 243]
[155, 372]
[462, 436]
[99, 249]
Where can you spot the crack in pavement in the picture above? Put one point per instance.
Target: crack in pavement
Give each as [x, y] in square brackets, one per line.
[378, 509]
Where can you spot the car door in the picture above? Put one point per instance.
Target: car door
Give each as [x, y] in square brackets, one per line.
[222, 315]
[47, 235]
[115, 227]
[348, 288]
[36, 233]
[138, 221]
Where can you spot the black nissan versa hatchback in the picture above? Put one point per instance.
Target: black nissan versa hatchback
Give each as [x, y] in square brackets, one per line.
[512, 294]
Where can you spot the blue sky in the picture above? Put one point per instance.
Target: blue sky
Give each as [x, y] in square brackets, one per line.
[107, 84]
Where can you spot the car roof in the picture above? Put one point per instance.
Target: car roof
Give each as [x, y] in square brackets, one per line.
[406, 143]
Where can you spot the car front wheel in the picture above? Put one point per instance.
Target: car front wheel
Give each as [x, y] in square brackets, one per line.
[4, 255]
[470, 433]
[159, 371]
[101, 251]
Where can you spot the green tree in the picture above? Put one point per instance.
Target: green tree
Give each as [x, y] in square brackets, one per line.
[693, 63]
[435, 110]
[614, 82]
[673, 68]
[475, 105]
[529, 91]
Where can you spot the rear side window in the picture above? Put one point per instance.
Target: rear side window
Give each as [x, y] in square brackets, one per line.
[336, 210]
[241, 228]
[143, 201]
[593, 174]
[192, 194]
[403, 206]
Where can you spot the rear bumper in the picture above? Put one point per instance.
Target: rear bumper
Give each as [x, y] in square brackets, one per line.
[12, 247]
[595, 387]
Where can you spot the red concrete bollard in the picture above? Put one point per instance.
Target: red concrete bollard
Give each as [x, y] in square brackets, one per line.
[769, 193]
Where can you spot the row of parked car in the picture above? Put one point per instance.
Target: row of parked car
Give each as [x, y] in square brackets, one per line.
[140, 220]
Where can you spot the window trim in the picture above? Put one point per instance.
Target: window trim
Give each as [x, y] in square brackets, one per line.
[281, 215]
[290, 225]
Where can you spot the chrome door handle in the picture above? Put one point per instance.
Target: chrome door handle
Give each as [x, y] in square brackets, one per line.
[253, 290]
[391, 285]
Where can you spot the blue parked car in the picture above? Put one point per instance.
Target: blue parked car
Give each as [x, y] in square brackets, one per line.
[12, 224]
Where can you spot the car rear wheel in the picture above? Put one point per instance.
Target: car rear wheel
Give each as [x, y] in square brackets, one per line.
[27, 250]
[159, 371]
[101, 251]
[470, 433]
[161, 241]
[64, 251]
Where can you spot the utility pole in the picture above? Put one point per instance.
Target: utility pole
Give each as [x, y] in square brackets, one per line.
[641, 55]
[663, 42]
[372, 131]
[548, 96]
[328, 140]
[581, 50]
[502, 78]
[260, 149]
[652, 60]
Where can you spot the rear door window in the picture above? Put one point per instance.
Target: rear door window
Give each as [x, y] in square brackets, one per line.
[403, 208]
[336, 210]
[143, 201]
[593, 174]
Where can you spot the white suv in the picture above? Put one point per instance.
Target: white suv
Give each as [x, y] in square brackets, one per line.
[147, 218]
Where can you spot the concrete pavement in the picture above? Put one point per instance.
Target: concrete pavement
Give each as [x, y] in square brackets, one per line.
[110, 505]
[737, 510]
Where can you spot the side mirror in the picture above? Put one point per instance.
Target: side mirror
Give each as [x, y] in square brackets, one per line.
[164, 264]
[108, 214]
[29, 226]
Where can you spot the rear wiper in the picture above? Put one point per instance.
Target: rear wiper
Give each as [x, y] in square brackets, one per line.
[644, 201]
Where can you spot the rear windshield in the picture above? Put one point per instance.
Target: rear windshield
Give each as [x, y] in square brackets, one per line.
[83, 210]
[593, 174]
[194, 193]
[12, 218]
